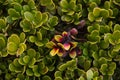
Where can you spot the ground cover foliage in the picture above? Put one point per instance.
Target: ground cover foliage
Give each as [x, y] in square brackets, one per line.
[59, 39]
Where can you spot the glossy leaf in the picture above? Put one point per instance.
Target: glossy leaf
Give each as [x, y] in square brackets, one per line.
[107, 5]
[14, 38]
[50, 44]
[26, 25]
[32, 39]
[12, 67]
[31, 4]
[91, 17]
[26, 59]
[17, 7]
[89, 74]
[58, 74]
[46, 2]
[2, 42]
[22, 37]
[53, 21]
[38, 19]
[54, 51]
[31, 52]
[44, 17]
[73, 54]
[29, 16]
[39, 35]
[104, 13]
[103, 69]
[14, 14]
[96, 12]
[2, 24]
[46, 78]
[12, 48]
[39, 43]
[29, 72]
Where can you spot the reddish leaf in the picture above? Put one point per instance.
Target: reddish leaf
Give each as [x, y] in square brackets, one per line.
[54, 51]
[66, 46]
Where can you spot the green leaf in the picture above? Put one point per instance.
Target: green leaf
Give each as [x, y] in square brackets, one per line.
[2, 24]
[44, 71]
[4, 54]
[14, 14]
[116, 27]
[19, 1]
[104, 45]
[39, 35]
[29, 72]
[9, 19]
[62, 67]
[37, 74]
[31, 52]
[45, 41]
[38, 43]
[104, 29]
[2, 43]
[58, 74]
[66, 65]
[96, 11]
[44, 17]
[103, 69]
[66, 18]
[35, 68]
[107, 5]
[32, 39]
[102, 60]
[28, 16]
[115, 37]
[89, 75]
[26, 25]
[32, 62]
[116, 48]
[87, 65]
[21, 49]
[22, 37]
[31, 4]
[115, 11]
[104, 13]
[26, 59]
[20, 60]
[11, 67]
[20, 76]
[91, 17]
[112, 66]
[14, 38]
[107, 36]
[16, 63]
[64, 4]
[26, 8]
[81, 60]
[92, 6]
[12, 48]
[82, 78]
[51, 8]
[38, 19]
[17, 7]
[53, 21]
[58, 78]
[111, 13]
[46, 77]
[46, 2]
[94, 27]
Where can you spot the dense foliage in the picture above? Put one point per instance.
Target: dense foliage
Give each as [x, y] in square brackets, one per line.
[59, 40]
